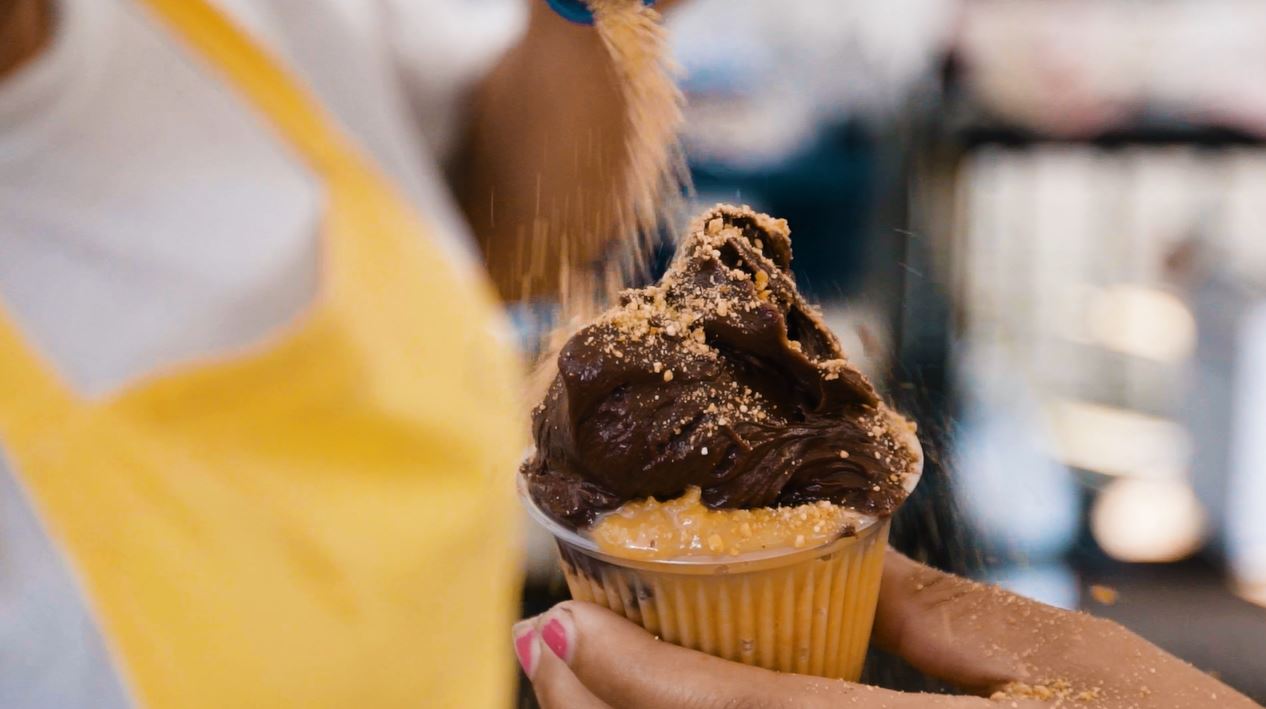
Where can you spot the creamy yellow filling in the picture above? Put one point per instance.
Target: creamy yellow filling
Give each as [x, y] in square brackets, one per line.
[685, 527]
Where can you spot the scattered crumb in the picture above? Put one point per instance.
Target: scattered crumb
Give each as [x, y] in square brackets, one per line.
[715, 543]
[1057, 690]
[1104, 595]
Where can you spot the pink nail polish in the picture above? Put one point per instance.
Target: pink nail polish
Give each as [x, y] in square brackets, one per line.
[525, 647]
[554, 635]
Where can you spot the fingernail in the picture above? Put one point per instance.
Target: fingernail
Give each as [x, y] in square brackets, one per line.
[525, 646]
[557, 637]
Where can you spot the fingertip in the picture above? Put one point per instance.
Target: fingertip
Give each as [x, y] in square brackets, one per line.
[557, 630]
[554, 683]
[527, 648]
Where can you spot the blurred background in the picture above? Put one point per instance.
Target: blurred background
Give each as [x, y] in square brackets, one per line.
[1042, 226]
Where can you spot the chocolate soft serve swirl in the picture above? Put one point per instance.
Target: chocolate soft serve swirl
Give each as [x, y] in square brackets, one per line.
[719, 377]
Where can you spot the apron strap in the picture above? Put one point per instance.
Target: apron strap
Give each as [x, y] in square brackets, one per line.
[31, 394]
[30, 390]
[300, 120]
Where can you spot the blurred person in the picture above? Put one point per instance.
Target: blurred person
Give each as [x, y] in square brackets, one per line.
[1014, 652]
[257, 413]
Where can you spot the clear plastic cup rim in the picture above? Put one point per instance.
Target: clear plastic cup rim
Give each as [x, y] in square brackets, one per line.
[863, 525]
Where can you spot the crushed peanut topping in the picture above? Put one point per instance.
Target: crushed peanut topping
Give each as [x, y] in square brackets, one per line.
[1058, 690]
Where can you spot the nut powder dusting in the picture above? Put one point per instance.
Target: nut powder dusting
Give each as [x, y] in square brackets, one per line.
[654, 181]
[634, 35]
[718, 377]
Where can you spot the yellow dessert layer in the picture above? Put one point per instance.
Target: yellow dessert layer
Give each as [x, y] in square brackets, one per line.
[685, 527]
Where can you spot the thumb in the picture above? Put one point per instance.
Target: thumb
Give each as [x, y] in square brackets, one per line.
[957, 630]
[622, 665]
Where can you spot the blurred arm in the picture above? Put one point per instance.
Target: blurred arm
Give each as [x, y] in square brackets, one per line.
[25, 25]
[542, 153]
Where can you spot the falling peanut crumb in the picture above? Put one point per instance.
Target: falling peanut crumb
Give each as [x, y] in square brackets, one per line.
[668, 375]
[1104, 595]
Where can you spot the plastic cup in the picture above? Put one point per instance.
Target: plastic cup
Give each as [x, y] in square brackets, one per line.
[806, 610]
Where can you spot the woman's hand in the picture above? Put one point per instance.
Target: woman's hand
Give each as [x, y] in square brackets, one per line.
[542, 161]
[1012, 650]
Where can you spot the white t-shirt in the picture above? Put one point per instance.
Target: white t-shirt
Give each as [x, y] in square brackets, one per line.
[149, 217]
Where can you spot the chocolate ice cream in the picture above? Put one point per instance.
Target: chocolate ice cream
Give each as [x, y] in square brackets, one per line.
[722, 377]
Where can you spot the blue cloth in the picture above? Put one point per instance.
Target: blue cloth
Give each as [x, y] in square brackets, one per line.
[577, 11]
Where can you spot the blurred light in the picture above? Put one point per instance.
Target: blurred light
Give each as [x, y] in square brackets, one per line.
[1052, 584]
[805, 66]
[1013, 491]
[1142, 322]
[1148, 520]
[1243, 524]
[1115, 441]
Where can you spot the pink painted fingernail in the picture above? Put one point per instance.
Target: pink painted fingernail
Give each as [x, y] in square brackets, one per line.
[554, 635]
[525, 646]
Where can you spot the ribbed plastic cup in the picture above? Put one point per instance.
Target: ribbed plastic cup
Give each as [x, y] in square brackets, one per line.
[806, 610]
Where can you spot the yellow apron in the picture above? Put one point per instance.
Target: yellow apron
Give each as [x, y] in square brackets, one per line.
[326, 520]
